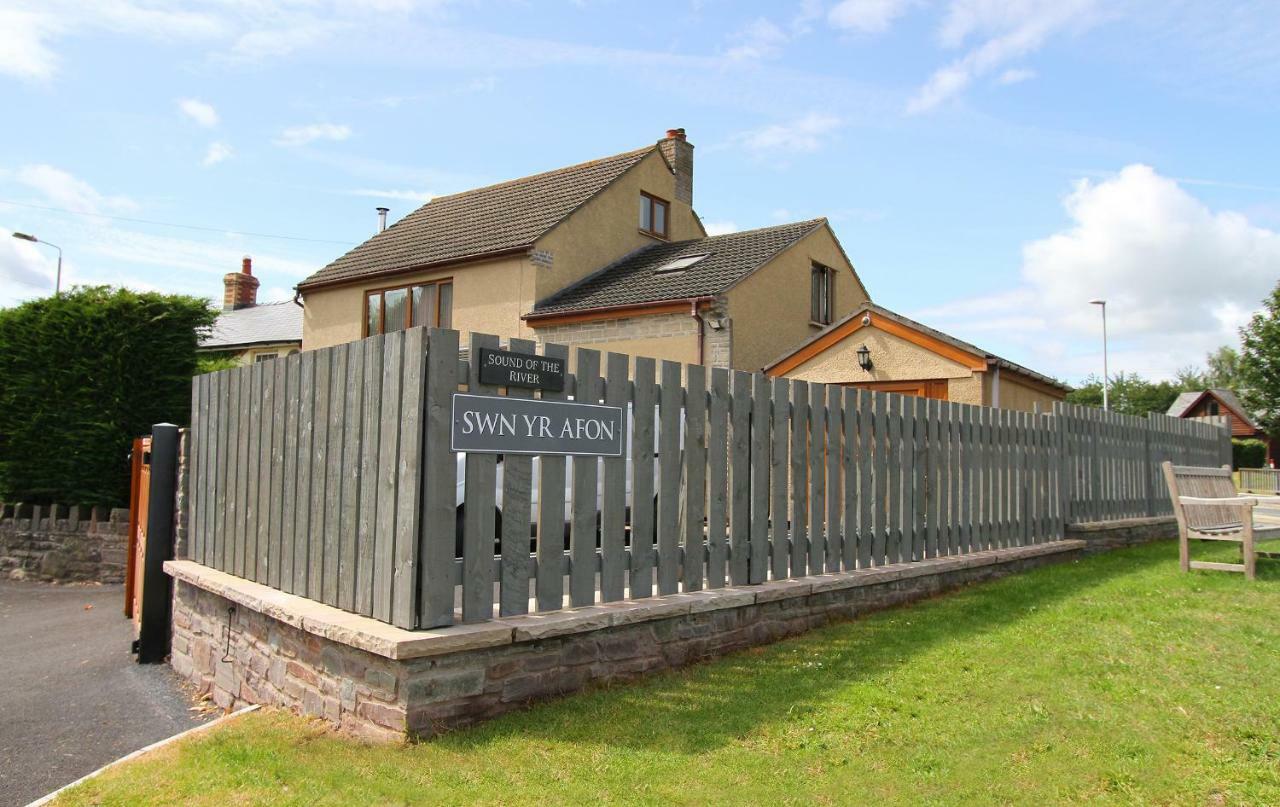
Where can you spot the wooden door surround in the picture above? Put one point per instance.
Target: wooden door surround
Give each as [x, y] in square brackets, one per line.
[936, 388]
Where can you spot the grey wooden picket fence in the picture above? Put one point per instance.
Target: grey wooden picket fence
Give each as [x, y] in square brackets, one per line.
[1260, 480]
[1112, 461]
[329, 474]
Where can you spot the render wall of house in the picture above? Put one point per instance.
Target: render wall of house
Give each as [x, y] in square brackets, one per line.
[607, 227]
[769, 309]
[488, 297]
[893, 359]
[1016, 393]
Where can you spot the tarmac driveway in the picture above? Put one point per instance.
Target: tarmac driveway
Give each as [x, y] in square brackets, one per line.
[71, 696]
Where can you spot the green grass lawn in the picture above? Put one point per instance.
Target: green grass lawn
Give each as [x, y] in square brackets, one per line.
[1113, 680]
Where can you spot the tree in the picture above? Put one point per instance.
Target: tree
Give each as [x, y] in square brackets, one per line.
[81, 375]
[1224, 369]
[1130, 394]
[1260, 364]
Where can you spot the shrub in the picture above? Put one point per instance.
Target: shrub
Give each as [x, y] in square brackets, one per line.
[1248, 453]
[81, 375]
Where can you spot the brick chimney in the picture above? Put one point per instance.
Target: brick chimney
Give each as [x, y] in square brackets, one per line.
[240, 289]
[679, 152]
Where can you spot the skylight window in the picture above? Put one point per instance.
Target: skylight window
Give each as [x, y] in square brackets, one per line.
[678, 265]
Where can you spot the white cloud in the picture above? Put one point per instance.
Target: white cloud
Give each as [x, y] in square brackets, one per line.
[760, 39]
[202, 113]
[1016, 76]
[218, 151]
[720, 227]
[302, 135]
[1178, 278]
[866, 16]
[61, 189]
[402, 194]
[28, 30]
[1008, 31]
[808, 133]
[24, 48]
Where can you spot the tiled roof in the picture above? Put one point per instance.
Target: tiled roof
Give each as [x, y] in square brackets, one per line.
[1183, 402]
[636, 279]
[267, 323]
[488, 220]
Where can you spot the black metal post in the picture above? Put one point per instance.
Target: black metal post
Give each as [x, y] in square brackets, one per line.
[157, 589]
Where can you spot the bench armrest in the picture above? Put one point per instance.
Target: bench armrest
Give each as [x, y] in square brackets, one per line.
[1247, 502]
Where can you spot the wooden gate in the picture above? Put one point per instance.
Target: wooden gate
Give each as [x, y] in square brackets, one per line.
[139, 498]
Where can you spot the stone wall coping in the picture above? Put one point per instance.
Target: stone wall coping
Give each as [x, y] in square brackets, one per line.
[1121, 524]
[391, 642]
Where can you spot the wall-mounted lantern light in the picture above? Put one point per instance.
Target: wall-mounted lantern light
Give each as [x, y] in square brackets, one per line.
[864, 358]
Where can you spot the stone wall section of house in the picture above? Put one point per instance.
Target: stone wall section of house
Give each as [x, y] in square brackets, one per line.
[1103, 536]
[63, 544]
[239, 656]
[651, 328]
[617, 330]
[623, 329]
[717, 340]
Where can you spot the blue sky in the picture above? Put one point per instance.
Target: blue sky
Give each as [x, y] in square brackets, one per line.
[988, 166]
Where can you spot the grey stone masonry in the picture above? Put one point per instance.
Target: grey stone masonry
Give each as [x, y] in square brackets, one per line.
[242, 642]
[63, 544]
[716, 341]
[1101, 536]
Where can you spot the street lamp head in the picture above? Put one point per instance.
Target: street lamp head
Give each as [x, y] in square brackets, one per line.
[26, 237]
[1097, 302]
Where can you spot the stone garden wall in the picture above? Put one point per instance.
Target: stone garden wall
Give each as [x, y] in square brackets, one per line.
[1102, 536]
[63, 544]
[242, 643]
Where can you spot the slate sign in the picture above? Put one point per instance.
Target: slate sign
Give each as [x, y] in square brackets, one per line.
[505, 368]
[491, 424]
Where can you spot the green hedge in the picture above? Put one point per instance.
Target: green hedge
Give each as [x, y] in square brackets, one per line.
[81, 375]
[1248, 453]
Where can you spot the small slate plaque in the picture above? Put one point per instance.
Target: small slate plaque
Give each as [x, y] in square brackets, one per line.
[492, 424]
[506, 368]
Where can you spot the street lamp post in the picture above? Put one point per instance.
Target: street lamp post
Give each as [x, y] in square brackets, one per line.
[57, 288]
[1106, 378]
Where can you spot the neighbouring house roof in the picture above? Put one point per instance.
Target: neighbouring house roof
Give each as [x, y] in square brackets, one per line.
[486, 221]
[960, 344]
[642, 277]
[1187, 401]
[262, 324]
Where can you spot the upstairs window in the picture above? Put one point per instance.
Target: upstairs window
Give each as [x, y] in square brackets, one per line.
[653, 215]
[822, 295]
[1212, 408]
[429, 304]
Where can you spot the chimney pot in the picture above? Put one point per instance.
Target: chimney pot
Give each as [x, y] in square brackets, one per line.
[382, 217]
[246, 265]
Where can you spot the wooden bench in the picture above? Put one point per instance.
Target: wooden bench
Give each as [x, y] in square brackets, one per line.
[1208, 508]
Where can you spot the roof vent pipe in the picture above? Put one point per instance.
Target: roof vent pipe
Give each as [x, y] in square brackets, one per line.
[382, 218]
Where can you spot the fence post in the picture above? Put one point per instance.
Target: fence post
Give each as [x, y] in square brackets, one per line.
[1148, 469]
[153, 630]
